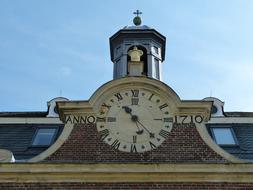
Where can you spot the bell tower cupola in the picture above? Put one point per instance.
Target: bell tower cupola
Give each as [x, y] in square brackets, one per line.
[137, 50]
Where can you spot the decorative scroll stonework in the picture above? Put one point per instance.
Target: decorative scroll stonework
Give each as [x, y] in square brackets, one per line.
[6, 156]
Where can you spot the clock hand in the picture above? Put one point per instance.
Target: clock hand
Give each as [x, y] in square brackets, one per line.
[152, 135]
[134, 118]
[139, 132]
[127, 110]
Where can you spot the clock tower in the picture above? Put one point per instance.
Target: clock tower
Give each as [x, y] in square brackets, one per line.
[142, 40]
[134, 132]
[134, 116]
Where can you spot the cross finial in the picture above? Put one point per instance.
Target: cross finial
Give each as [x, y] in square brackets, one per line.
[137, 19]
[137, 12]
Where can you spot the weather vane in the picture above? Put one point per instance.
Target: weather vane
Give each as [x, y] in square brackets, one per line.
[137, 19]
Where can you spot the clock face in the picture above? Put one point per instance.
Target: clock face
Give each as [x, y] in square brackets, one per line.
[134, 120]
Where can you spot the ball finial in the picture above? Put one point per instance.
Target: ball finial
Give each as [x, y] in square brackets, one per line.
[137, 19]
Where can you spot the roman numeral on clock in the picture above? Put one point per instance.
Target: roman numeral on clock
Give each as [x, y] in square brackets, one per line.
[135, 101]
[133, 148]
[134, 139]
[100, 119]
[116, 144]
[104, 133]
[153, 146]
[118, 95]
[135, 93]
[168, 119]
[164, 134]
[105, 105]
[163, 106]
[150, 97]
[111, 119]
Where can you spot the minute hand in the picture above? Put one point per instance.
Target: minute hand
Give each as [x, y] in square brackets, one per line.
[152, 135]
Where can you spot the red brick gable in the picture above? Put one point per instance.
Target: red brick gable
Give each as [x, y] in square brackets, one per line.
[184, 145]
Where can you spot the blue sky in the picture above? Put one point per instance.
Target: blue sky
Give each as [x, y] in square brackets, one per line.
[61, 48]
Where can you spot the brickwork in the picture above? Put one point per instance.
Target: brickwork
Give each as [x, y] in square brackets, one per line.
[132, 186]
[184, 145]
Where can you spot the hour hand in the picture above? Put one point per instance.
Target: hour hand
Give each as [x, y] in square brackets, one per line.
[127, 109]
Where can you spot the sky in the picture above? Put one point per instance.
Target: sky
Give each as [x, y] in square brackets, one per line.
[61, 48]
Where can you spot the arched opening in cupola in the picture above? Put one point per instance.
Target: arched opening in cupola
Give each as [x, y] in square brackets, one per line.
[143, 59]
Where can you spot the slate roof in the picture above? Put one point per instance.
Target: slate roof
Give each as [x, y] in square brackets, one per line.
[238, 114]
[244, 136]
[23, 114]
[18, 138]
[131, 27]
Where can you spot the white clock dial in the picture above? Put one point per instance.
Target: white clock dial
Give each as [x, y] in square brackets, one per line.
[134, 120]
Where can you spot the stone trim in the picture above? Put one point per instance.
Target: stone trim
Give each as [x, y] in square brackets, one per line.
[6, 156]
[126, 173]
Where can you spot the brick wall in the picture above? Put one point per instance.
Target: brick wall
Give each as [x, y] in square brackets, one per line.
[183, 145]
[132, 186]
